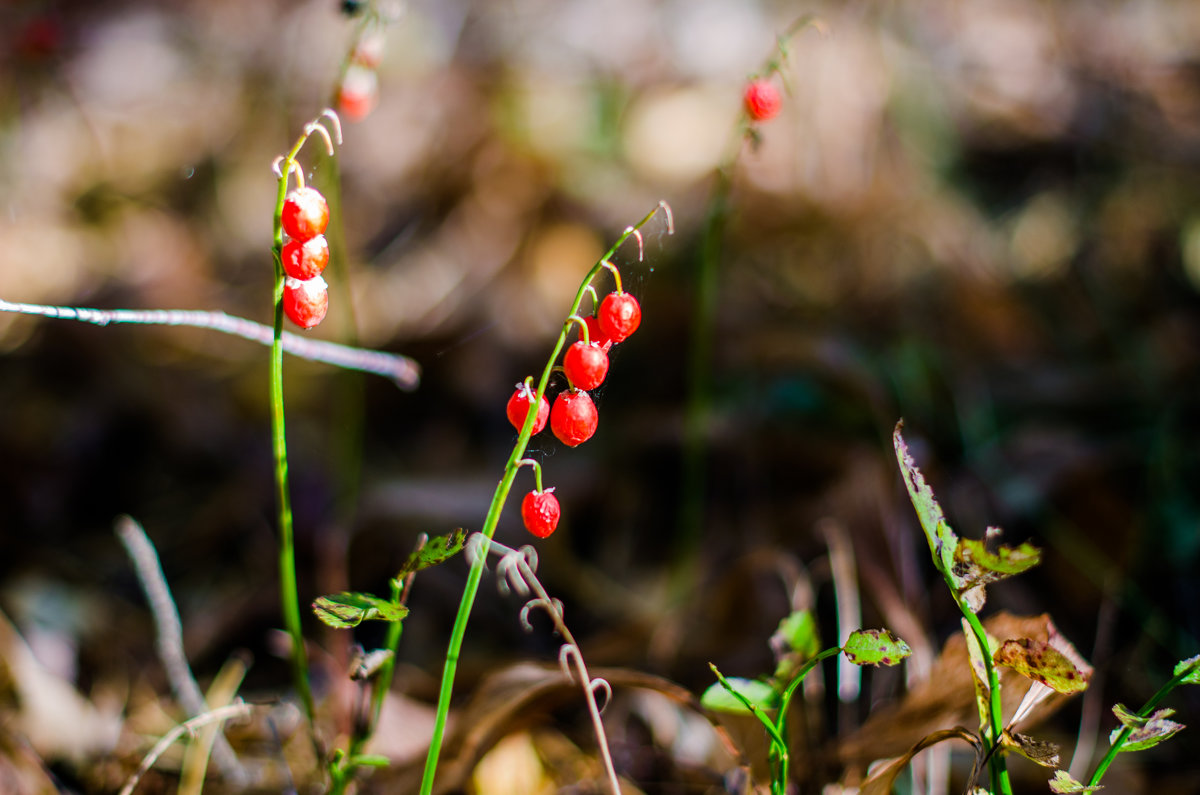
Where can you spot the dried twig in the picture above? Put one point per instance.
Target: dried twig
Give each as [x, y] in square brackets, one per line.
[400, 369]
[170, 636]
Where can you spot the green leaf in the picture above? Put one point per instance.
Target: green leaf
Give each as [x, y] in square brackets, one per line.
[1041, 662]
[875, 647]
[434, 551]
[798, 633]
[721, 698]
[977, 565]
[1192, 676]
[942, 540]
[1063, 783]
[348, 609]
[795, 641]
[1143, 732]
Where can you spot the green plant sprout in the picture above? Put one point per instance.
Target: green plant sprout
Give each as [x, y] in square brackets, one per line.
[1053, 665]
[769, 701]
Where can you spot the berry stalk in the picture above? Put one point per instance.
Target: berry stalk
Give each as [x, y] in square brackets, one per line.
[288, 594]
[497, 506]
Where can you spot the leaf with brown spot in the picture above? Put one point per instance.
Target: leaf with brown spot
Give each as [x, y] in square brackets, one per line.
[1037, 751]
[1041, 662]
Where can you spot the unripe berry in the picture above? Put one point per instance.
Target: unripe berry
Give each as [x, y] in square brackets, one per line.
[619, 316]
[585, 364]
[518, 408]
[540, 512]
[305, 213]
[573, 417]
[304, 259]
[305, 302]
[762, 100]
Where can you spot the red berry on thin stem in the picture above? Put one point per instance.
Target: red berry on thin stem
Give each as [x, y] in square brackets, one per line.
[518, 408]
[573, 417]
[595, 334]
[762, 100]
[305, 213]
[585, 364]
[540, 512]
[305, 302]
[304, 259]
[619, 316]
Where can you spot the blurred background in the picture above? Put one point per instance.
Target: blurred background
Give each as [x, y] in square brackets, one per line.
[981, 217]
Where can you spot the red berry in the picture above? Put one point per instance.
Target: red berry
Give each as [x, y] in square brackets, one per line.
[305, 214]
[358, 93]
[518, 408]
[762, 100]
[585, 364]
[540, 512]
[305, 302]
[573, 417]
[596, 335]
[304, 259]
[619, 316]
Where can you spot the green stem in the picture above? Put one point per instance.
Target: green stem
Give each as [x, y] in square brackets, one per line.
[1147, 708]
[997, 767]
[493, 518]
[288, 595]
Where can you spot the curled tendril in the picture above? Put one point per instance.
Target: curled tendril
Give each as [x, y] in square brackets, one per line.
[476, 547]
[637, 233]
[317, 126]
[666, 208]
[552, 606]
[600, 683]
[569, 655]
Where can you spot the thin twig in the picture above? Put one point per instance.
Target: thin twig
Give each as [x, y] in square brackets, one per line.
[516, 571]
[399, 369]
[170, 636]
[238, 710]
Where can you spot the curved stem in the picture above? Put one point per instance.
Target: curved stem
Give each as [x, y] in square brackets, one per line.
[499, 497]
[1147, 708]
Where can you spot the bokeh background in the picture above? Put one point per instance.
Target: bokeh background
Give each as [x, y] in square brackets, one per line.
[981, 217]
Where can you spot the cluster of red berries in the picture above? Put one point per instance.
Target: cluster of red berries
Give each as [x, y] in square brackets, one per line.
[762, 100]
[573, 417]
[305, 255]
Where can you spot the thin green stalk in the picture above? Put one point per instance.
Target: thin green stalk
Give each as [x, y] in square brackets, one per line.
[493, 515]
[997, 768]
[288, 594]
[1147, 708]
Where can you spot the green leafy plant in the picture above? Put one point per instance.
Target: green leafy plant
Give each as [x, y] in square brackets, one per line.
[769, 700]
[1053, 665]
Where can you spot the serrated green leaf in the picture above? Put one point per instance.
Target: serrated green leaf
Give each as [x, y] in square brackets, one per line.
[875, 647]
[718, 697]
[1041, 662]
[942, 540]
[1063, 783]
[1143, 732]
[434, 551]
[1192, 676]
[349, 609]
